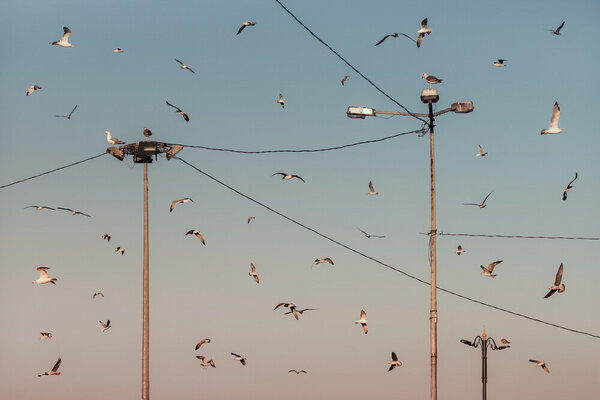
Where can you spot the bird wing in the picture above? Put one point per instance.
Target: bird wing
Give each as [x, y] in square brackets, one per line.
[480, 149]
[175, 107]
[550, 293]
[72, 111]
[241, 29]
[365, 233]
[103, 324]
[560, 27]
[378, 236]
[279, 173]
[185, 116]
[200, 357]
[371, 186]
[486, 197]
[394, 358]
[365, 328]
[280, 305]
[572, 180]
[199, 236]
[420, 39]
[405, 35]
[235, 355]
[174, 203]
[250, 219]
[296, 176]
[484, 268]
[191, 70]
[559, 275]
[43, 272]
[555, 116]
[492, 265]
[424, 24]
[329, 260]
[381, 41]
[66, 209]
[179, 62]
[363, 314]
[79, 212]
[535, 361]
[253, 267]
[57, 365]
[545, 368]
[67, 33]
[391, 367]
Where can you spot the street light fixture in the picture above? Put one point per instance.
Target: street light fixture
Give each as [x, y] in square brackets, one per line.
[484, 342]
[428, 96]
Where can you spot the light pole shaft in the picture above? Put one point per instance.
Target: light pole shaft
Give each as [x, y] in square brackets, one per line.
[146, 318]
[432, 249]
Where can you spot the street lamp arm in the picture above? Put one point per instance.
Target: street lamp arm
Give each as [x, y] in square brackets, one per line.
[444, 111]
[401, 113]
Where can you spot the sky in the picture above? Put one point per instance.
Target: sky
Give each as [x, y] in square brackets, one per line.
[201, 291]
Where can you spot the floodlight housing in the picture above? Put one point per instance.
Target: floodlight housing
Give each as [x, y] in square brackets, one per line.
[174, 150]
[463, 107]
[429, 96]
[115, 152]
[360, 112]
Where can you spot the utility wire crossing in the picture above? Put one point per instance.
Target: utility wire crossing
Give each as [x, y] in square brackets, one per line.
[348, 64]
[516, 236]
[381, 262]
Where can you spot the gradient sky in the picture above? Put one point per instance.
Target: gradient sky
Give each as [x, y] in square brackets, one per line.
[205, 291]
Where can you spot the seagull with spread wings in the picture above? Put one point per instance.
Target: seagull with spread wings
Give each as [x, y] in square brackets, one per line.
[74, 212]
[345, 79]
[54, 369]
[459, 250]
[297, 372]
[422, 32]
[106, 325]
[363, 321]
[253, 273]
[500, 62]
[488, 271]
[281, 101]
[540, 364]
[395, 34]
[368, 235]
[394, 363]
[31, 89]
[198, 235]
[244, 25]
[200, 343]
[291, 306]
[120, 250]
[287, 176]
[64, 40]
[67, 116]
[179, 111]
[569, 187]
[175, 202]
[106, 237]
[371, 189]
[481, 153]
[239, 358]
[558, 286]
[557, 30]
[44, 277]
[39, 207]
[206, 363]
[322, 260]
[251, 218]
[45, 335]
[553, 121]
[482, 205]
[183, 66]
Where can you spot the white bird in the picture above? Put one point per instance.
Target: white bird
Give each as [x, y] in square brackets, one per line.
[504, 341]
[553, 121]
[500, 62]
[363, 321]
[206, 363]
[322, 260]
[541, 364]
[281, 101]
[253, 272]
[482, 205]
[64, 40]
[557, 287]
[112, 140]
[120, 250]
[45, 335]
[297, 372]
[106, 325]
[198, 235]
[250, 219]
[432, 80]
[244, 25]
[345, 79]
[44, 277]
[569, 187]
[287, 176]
[368, 235]
[394, 363]
[73, 212]
[200, 343]
[371, 189]
[147, 132]
[31, 89]
[291, 306]
[395, 34]
[175, 202]
[53, 370]
[459, 250]
[488, 271]
[424, 30]
[106, 237]
[98, 294]
[239, 358]
[557, 30]
[179, 111]
[39, 207]
[183, 66]
[118, 50]
[67, 116]
[481, 153]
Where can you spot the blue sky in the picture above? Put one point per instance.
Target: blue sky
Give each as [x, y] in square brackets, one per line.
[204, 291]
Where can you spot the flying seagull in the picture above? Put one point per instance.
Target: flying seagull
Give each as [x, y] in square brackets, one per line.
[500, 62]
[239, 358]
[371, 189]
[424, 30]
[147, 132]
[244, 25]
[73, 212]
[480, 153]
[482, 205]
[120, 250]
[31, 89]
[291, 306]
[394, 363]
[179, 111]
[250, 219]
[368, 235]
[363, 321]
[67, 116]
[557, 30]
[287, 176]
[200, 343]
[106, 237]
[198, 235]
[39, 207]
[301, 311]
[253, 272]
[45, 335]
[459, 250]
[53, 370]
[44, 277]
[175, 202]
[106, 325]
[112, 140]
[432, 80]
[296, 371]
[344, 79]
[98, 294]
[118, 50]
[488, 271]
[64, 40]
[395, 34]
[504, 341]
[541, 363]
[183, 66]
[569, 187]
[557, 287]
[553, 121]
[206, 363]
[322, 260]
[281, 101]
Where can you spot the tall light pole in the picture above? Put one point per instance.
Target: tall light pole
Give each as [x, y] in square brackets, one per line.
[143, 153]
[484, 342]
[428, 96]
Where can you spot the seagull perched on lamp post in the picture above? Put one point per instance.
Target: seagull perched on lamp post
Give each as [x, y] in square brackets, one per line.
[112, 140]
[64, 40]
[432, 80]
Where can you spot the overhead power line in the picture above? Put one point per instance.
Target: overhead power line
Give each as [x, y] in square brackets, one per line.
[517, 236]
[420, 130]
[383, 263]
[51, 171]
[348, 63]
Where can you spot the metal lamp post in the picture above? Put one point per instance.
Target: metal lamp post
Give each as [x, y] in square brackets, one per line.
[484, 342]
[428, 96]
